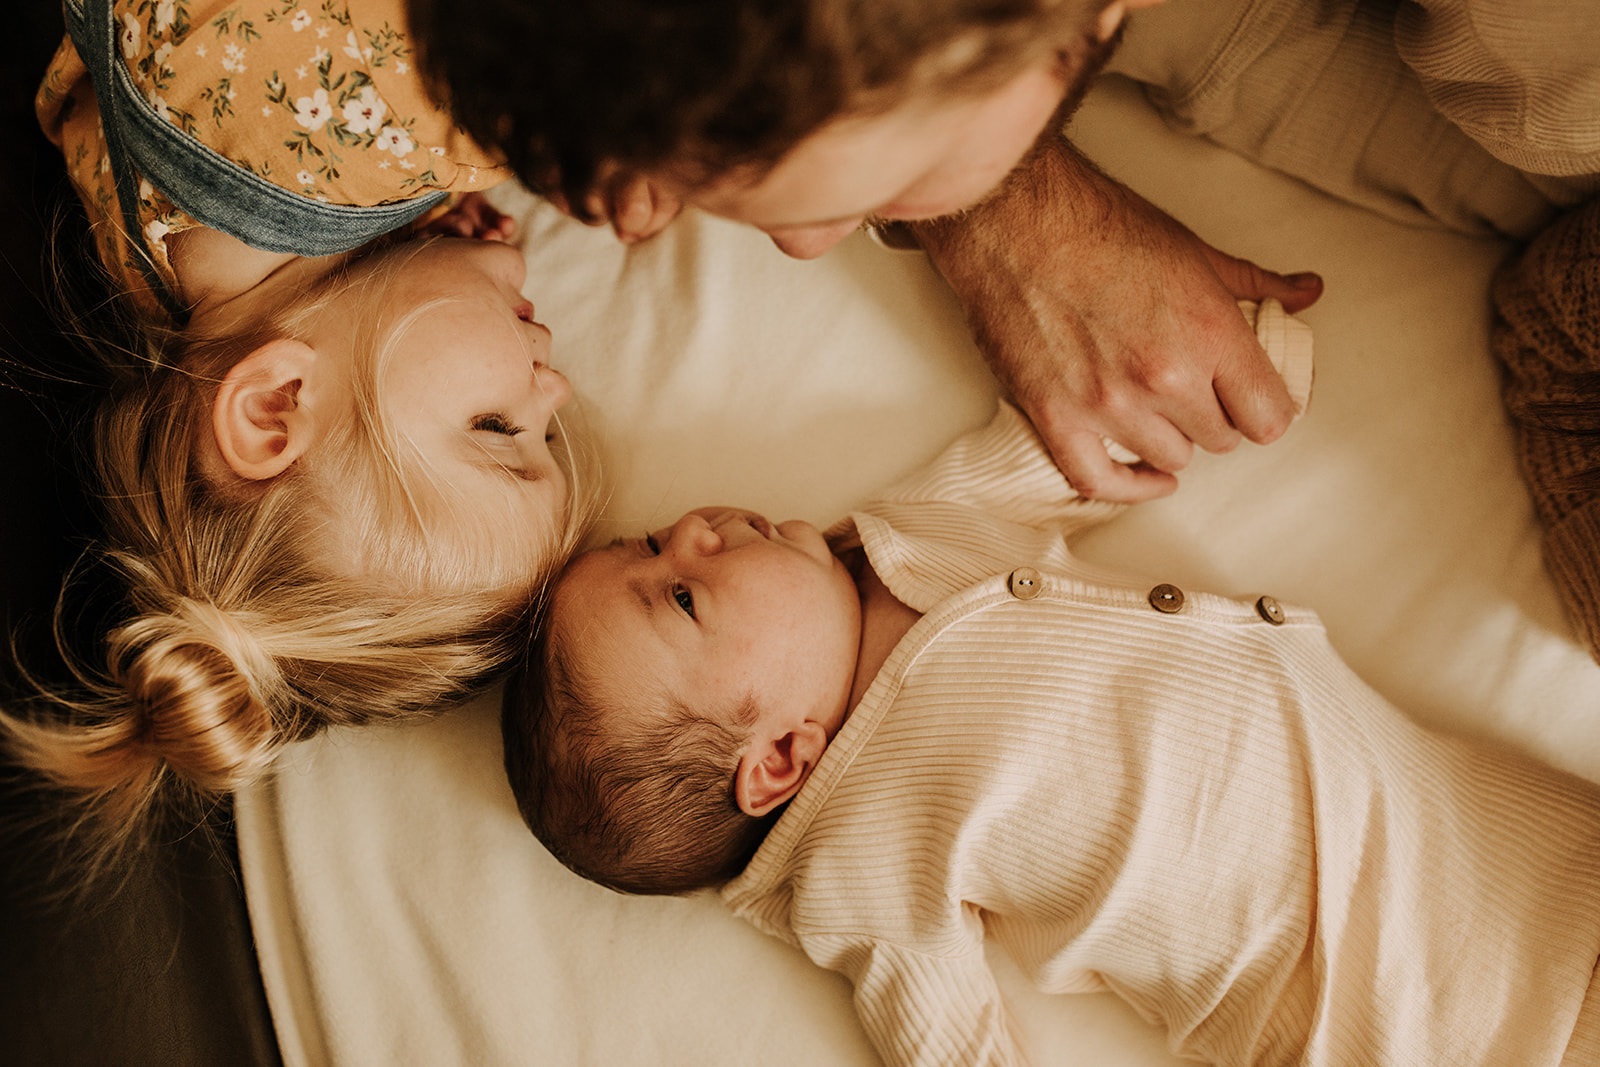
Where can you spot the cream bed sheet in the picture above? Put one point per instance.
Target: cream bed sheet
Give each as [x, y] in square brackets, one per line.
[403, 915]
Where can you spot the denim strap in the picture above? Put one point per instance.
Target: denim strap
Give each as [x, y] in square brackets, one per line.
[205, 185]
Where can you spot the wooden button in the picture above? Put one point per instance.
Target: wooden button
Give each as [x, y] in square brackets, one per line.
[1025, 583]
[1167, 599]
[1271, 610]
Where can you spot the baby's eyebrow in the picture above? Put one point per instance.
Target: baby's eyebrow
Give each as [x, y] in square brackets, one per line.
[642, 592]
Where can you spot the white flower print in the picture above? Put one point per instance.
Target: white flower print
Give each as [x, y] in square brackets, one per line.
[129, 37]
[162, 54]
[364, 112]
[322, 55]
[166, 14]
[233, 58]
[305, 177]
[353, 49]
[155, 231]
[396, 140]
[301, 20]
[313, 111]
[159, 106]
[146, 190]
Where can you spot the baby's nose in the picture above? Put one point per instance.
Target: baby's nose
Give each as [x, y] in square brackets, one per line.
[694, 536]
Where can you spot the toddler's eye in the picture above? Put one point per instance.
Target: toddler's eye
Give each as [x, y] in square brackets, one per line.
[494, 422]
[685, 600]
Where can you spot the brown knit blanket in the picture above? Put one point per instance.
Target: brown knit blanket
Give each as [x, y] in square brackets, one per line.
[1547, 334]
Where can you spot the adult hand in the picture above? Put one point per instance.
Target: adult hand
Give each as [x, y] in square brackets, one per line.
[635, 207]
[1106, 318]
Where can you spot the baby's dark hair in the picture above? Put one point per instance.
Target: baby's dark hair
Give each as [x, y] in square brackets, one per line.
[646, 809]
[566, 90]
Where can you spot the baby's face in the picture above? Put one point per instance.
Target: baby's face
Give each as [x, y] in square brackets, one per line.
[721, 607]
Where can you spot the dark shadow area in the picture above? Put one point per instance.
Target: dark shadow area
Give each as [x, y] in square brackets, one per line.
[158, 968]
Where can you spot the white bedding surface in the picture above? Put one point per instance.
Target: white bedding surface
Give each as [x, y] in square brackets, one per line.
[403, 914]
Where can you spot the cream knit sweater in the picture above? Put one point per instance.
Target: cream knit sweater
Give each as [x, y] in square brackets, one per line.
[1202, 810]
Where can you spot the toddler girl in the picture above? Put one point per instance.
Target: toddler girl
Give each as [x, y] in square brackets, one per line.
[338, 480]
[935, 726]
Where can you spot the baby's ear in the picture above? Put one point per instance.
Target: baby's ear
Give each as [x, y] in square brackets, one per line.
[261, 423]
[772, 770]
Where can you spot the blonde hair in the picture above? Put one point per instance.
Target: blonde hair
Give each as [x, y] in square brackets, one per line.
[237, 638]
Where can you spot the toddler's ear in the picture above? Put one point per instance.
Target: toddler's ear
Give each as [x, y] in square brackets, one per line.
[772, 770]
[260, 420]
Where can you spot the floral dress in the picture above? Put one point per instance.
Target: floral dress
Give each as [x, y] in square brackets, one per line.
[294, 125]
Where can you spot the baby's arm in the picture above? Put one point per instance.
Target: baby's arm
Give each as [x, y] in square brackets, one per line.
[920, 1009]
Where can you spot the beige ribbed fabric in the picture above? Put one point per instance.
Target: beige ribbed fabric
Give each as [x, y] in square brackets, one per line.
[1202, 811]
[1480, 115]
[1547, 334]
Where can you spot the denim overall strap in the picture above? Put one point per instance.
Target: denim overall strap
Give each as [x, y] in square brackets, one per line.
[208, 187]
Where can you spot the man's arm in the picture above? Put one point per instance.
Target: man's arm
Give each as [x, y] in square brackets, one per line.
[1105, 317]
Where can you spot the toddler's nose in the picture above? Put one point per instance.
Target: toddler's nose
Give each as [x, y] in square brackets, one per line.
[552, 386]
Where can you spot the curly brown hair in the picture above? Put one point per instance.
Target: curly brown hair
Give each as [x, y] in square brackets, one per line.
[568, 91]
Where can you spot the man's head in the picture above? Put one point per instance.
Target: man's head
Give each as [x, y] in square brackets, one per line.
[798, 116]
[683, 689]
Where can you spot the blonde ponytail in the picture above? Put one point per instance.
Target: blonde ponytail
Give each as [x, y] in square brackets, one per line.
[193, 678]
[238, 637]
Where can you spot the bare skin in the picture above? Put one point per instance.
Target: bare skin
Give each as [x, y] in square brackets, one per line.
[1103, 316]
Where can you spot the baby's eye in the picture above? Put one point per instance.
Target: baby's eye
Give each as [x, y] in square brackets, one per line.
[494, 422]
[650, 543]
[685, 600]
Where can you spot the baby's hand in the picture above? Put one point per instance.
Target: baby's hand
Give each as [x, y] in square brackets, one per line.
[471, 216]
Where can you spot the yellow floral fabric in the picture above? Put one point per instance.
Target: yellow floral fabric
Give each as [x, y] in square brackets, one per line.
[320, 97]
